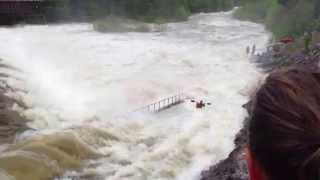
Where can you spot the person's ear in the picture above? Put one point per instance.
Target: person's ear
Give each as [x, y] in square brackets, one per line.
[254, 169]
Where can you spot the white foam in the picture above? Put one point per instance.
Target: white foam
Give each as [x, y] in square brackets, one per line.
[73, 74]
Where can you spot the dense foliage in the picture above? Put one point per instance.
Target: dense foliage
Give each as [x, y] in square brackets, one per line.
[146, 10]
[283, 17]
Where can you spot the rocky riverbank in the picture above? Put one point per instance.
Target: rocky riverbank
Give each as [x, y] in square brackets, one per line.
[234, 167]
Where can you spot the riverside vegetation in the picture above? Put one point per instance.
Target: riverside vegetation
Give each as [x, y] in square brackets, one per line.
[282, 17]
[136, 13]
[133, 12]
[297, 16]
[143, 10]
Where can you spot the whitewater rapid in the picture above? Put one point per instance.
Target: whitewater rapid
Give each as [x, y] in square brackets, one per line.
[77, 84]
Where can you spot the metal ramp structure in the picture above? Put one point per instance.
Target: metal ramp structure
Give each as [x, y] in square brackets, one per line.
[163, 104]
[159, 106]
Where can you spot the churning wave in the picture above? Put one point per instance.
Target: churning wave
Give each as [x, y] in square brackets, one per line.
[75, 82]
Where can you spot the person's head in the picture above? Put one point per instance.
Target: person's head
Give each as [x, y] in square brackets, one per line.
[284, 130]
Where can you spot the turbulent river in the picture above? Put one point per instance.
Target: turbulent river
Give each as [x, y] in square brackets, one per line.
[80, 87]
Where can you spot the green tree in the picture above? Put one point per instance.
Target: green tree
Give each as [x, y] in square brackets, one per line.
[282, 17]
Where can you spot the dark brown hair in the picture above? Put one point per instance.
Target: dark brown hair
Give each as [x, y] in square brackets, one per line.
[284, 130]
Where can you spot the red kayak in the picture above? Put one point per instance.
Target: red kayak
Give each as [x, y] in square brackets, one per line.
[287, 40]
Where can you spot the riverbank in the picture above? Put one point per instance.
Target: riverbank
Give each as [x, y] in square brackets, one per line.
[292, 55]
[234, 167]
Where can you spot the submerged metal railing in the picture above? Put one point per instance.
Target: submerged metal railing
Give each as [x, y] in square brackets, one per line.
[158, 105]
[163, 103]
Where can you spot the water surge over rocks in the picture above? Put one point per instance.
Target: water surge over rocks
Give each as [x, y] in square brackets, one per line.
[11, 122]
[79, 86]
